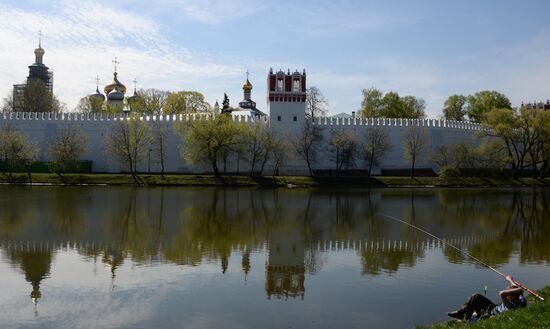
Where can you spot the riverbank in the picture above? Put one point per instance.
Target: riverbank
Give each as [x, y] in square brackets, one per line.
[535, 315]
[269, 181]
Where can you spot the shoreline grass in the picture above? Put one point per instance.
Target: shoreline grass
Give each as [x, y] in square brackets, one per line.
[535, 315]
[267, 181]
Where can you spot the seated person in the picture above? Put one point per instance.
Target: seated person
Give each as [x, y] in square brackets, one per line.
[512, 297]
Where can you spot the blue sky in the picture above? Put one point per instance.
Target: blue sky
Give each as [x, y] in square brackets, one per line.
[429, 49]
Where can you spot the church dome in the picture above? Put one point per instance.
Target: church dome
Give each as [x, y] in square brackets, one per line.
[97, 95]
[115, 85]
[247, 86]
[115, 95]
[39, 51]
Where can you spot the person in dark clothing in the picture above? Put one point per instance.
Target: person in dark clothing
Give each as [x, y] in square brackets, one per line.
[512, 298]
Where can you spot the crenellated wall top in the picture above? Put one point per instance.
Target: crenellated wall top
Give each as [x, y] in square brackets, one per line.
[397, 122]
[85, 117]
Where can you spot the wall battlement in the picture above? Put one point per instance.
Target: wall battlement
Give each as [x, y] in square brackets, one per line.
[51, 116]
[398, 122]
[322, 122]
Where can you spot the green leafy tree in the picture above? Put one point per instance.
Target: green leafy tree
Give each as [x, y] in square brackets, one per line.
[89, 104]
[390, 105]
[186, 102]
[127, 143]
[66, 149]
[455, 108]
[415, 141]
[37, 98]
[17, 152]
[377, 145]
[207, 140]
[483, 102]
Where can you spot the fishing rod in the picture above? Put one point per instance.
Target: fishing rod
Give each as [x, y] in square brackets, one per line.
[465, 253]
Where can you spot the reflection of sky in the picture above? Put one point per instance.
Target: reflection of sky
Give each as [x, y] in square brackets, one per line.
[79, 294]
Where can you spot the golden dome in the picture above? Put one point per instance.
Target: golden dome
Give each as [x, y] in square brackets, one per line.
[247, 86]
[115, 85]
[39, 51]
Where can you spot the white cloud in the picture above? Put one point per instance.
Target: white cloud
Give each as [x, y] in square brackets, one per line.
[82, 38]
[216, 11]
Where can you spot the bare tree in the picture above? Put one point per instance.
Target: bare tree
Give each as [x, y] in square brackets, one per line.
[377, 145]
[344, 145]
[254, 144]
[316, 103]
[415, 140]
[127, 143]
[154, 103]
[66, 149]
[307, 143]
[17, 152]
[7, 103]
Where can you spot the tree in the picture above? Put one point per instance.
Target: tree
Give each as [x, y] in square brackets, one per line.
[206, 140]
[186, 102]
[307, 144]
[154, 101]
[316, 103]
[89, 104]
[280, 149]
[484, 101]
[377, 145]
[16, 152]
[414, 107]
[66, 149]
[414, 143]
[128, 142]
[7, 103]
[37, 98]
[226, 107]
[390, 105]
[372, 103]
[344, 145]
[455, 108]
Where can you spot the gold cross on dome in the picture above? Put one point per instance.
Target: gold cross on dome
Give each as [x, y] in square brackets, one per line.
[39, 38]
[135, 83]
[115, 62]
[97, 80]
[247, 73]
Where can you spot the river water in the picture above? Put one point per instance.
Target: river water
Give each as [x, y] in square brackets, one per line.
[117, 257]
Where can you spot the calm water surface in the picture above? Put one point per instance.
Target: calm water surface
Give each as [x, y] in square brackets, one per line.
[212, 258]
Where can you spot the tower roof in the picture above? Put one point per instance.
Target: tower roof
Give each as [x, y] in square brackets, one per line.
[115, 85]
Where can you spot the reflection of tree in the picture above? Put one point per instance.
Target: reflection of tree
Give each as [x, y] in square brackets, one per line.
[14, 212]
[389, 261]
[517, 215]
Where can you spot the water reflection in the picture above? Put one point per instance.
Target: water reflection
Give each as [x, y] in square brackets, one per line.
[295, 230]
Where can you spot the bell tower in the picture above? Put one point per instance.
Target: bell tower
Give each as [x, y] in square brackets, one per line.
[286, 100]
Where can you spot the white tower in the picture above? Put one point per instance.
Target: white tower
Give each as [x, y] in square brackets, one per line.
[286, 100]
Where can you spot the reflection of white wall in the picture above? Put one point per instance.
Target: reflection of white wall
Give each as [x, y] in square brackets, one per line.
[286, 249]
[41, 128]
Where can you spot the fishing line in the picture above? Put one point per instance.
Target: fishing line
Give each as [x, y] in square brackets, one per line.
[461, 251]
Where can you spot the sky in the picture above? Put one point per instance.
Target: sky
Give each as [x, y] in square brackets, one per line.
[430, 49]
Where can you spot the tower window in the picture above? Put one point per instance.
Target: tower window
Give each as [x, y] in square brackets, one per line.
[280, 85]
[296, 85]
[278, 118]
[295, 118]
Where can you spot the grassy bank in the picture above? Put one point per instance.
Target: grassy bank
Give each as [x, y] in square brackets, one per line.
[269, 181]
[535, 315]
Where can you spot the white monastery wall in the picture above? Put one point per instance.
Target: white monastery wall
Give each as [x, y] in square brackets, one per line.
[42, 127]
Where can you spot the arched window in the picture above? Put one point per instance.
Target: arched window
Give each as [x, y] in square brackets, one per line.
[280, 85]
[296, 85]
